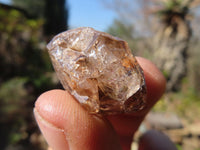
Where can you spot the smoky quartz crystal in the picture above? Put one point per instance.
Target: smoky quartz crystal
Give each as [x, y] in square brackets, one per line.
[99, 70]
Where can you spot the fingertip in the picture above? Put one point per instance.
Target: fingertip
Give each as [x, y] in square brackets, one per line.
[51, 105]
[54, 136]
[81, 129]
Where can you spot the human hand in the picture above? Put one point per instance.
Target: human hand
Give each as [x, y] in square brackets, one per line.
[66, 125]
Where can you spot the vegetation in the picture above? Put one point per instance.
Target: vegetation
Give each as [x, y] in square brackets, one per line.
[26, 72]
[54, 13]
[33, 8]
[126, 31]
[185, 103]
[172, 39]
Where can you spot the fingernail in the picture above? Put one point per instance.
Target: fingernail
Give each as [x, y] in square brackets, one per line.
[54, 136]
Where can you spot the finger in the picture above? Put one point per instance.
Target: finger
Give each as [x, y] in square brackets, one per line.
[155, 140]
[66, 125]
[126, 125]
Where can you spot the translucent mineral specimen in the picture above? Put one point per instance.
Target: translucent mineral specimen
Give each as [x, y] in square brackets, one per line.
[98, 70]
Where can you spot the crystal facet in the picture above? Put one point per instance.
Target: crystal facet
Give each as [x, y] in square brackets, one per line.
[98, 70]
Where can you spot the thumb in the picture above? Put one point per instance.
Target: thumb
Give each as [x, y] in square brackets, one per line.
[66, 125]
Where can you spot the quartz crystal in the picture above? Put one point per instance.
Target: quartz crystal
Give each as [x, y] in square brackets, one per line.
[98, 70]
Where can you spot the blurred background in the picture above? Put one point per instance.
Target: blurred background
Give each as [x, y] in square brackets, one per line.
[165, 31]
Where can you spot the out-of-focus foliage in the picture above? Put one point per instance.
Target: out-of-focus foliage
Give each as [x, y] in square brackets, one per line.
[171, 40]
[185, 103]
[25, 72]
[13, 99]
[193, 65]
[20, 47]
[54, 13]
[121, 29]
[35, 8]
[125, 31]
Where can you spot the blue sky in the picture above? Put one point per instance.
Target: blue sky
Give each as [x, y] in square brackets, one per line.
[88, 13]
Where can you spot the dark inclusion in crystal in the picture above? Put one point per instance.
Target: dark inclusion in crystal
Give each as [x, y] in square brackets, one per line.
[98, 70]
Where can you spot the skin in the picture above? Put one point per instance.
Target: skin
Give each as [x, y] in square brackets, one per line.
[68, 126]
